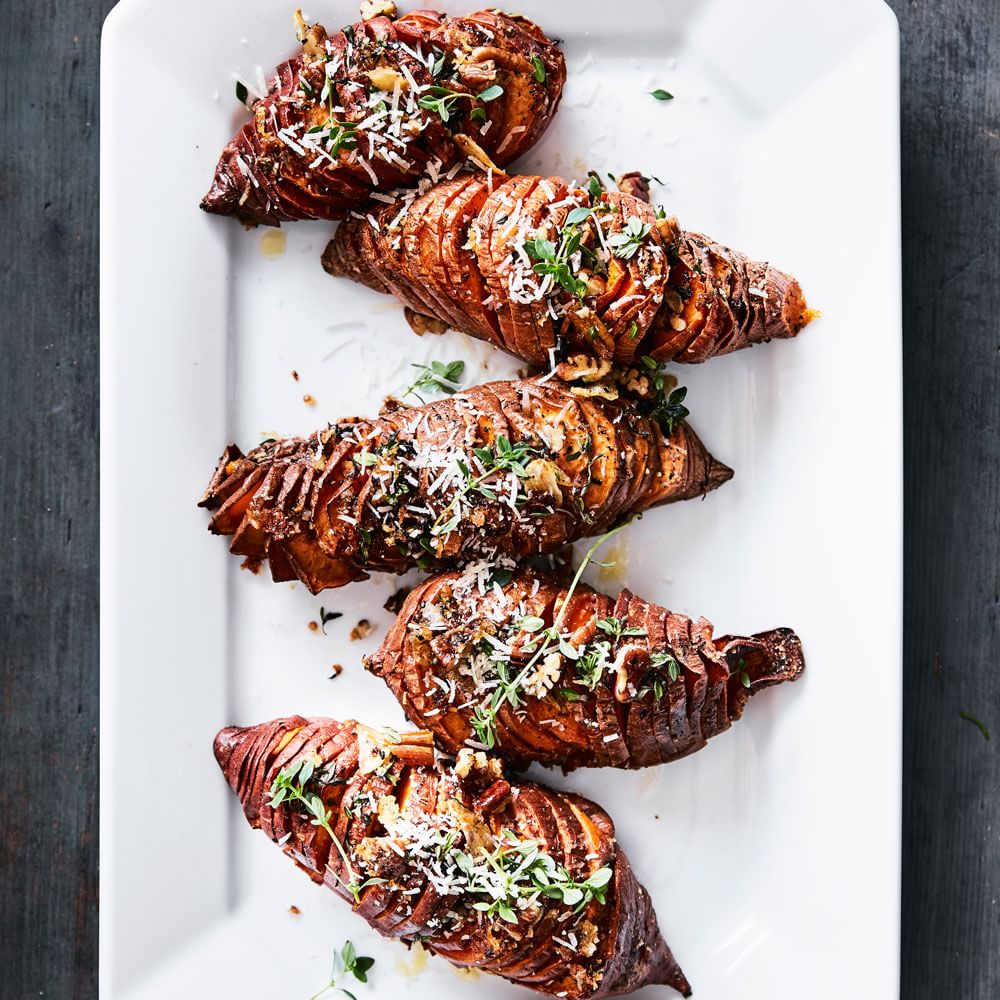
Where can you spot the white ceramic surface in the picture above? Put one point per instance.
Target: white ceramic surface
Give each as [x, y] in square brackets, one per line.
[773, 855]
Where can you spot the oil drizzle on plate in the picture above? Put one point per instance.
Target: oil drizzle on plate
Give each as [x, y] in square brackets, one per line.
[273, 242]
[416, 964]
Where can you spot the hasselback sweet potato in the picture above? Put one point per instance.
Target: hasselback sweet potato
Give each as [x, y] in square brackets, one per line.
[377, 105]
[555, 672]
[548, 271]
[515, 879]
[506, 468]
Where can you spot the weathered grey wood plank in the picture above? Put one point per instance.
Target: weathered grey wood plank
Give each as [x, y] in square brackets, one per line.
[951, 228]
[48, 500]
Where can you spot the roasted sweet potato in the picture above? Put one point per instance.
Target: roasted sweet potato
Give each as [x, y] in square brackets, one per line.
[506, 468]
[514, 879]
[619, 683]
[550, 272]
[377, 105]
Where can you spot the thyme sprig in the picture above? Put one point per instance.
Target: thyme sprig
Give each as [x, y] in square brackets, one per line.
[555, 260]
[505, 457]
[334, 133]
[443, 100]
[627, 241]
[291, 786]
[437, 376]
[547, 640]
[519, 870]
[667, 409]
[616, 628]
[346, 961]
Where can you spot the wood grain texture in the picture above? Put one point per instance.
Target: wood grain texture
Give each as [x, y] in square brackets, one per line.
[951, 310]
[48, 499]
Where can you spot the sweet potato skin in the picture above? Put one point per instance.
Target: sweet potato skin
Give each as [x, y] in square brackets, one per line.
[681, 297]
[628, 948]
[389, 494]
[274, 169]
[623, 721]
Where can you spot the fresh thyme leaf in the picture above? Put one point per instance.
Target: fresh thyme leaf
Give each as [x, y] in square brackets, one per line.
[539, 67]
[969, 717]
[241, 93]
[661, 95]
[305, 86]
[490, 93]
[365, 458]
[578, 214]
[438, 67]
[347, 955]
[362, 964]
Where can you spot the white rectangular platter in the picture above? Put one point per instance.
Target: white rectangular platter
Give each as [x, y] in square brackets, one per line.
[773, 855]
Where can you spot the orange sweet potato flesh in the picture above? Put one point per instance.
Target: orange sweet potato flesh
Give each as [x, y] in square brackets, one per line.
[390, 493]
[275, 170]
[679, 297]
[380, 805]
[624, 720]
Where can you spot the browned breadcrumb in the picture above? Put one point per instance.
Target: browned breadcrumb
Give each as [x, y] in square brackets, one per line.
[362, 630]
[294, 910]
[335, 670]
[308, 400]
[314, 626]
[251, 563]
[295, 375]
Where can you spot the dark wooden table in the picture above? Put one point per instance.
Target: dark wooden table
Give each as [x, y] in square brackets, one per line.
[49, 57]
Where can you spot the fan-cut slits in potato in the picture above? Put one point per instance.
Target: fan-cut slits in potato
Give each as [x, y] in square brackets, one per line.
[514, 879]
[504, 469]
[476, 656]
[547, 270]
[377, 106]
